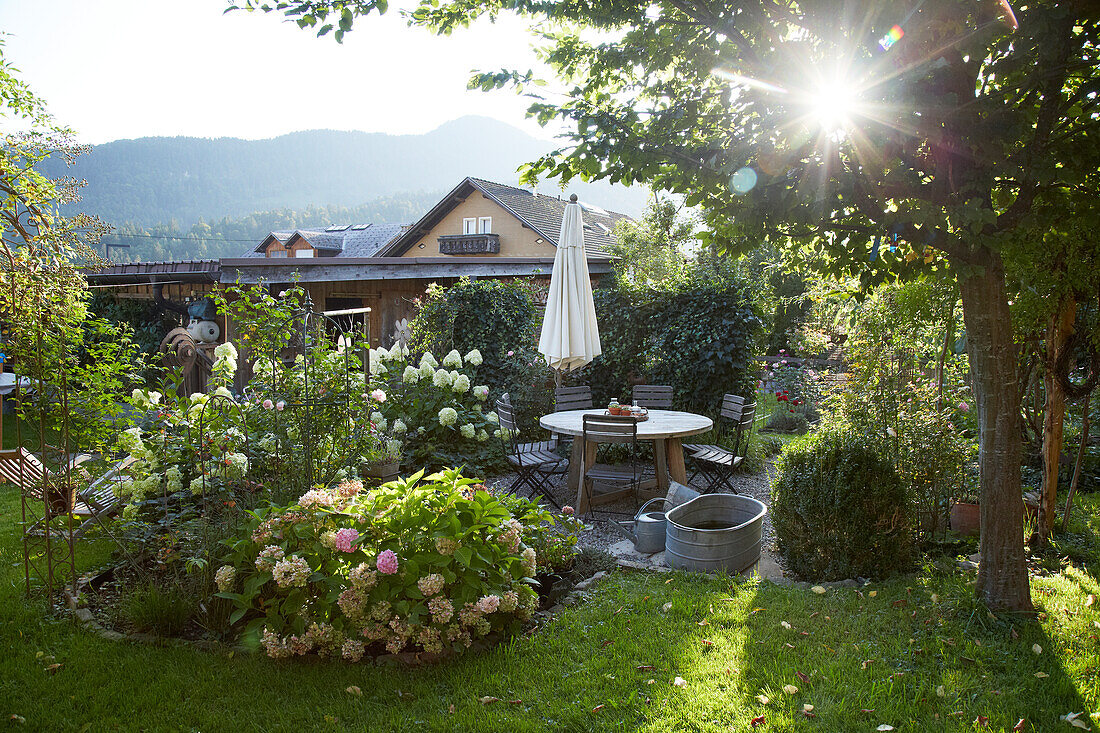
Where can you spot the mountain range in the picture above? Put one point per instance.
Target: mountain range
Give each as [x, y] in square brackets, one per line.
[180, 181]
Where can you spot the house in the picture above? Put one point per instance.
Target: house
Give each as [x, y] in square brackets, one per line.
[479, 229]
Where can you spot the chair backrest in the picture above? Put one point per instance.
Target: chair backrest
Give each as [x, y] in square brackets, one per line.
[100, 494]
[21, 468]
[743, 428]
[610, 429]
[573, 398]
[732, 407]
[657, 396]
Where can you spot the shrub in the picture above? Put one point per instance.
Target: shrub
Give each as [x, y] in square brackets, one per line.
[784, 420]
[499, 319]
[416, 564]
[697, 335]
[839, 509]
[439, 408]
[162, 611]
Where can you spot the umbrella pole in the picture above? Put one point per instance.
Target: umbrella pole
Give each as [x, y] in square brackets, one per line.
[557, 379]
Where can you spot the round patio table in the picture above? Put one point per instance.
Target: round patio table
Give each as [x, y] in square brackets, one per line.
[664, 427]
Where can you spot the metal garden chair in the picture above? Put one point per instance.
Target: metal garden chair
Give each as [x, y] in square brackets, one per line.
[534, 463]
[715, 462]
[614, 430]
[655, 396]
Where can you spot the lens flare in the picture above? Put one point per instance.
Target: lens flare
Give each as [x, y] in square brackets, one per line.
[893, 36]
[832, 104]
[744, 180]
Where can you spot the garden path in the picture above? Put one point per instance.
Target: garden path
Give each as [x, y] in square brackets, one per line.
[602, 537]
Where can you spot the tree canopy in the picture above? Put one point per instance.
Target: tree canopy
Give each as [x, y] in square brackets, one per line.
[881, 141]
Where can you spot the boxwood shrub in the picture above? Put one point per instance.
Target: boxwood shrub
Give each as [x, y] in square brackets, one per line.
[839, 509]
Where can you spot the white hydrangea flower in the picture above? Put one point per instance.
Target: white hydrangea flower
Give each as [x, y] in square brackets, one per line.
[175, 479]
[467, 430]
[426, 371]
[130, 440]
[429, 360]
[482, 436]
[383, 354]
[441, 378]
[411, 375]
[378, 421]
[394, 446]
[481, 391]
[399, 426]
[196, 485]
[448, 416]
[492, 417]
[226, 350]
[223, 392]
[237, 465]
[453, 359]
[474, 358]
[461, 384]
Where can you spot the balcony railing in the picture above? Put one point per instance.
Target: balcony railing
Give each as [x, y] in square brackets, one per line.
[469, 244]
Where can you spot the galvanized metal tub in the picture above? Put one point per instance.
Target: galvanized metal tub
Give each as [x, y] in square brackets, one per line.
[715, 532]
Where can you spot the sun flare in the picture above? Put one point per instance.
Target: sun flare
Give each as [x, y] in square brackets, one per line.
[833, 104]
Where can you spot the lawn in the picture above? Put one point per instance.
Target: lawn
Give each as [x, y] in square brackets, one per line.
[916, 653]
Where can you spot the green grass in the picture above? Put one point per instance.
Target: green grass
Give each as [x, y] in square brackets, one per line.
[888, 653]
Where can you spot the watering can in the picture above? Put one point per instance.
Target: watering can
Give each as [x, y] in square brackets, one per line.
[648, 532]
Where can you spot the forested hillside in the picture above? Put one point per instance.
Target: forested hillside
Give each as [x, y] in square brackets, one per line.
[152, 181]
[231, 236]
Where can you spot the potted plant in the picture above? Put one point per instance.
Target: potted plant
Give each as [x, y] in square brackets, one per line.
[966, 515]
[381, 458]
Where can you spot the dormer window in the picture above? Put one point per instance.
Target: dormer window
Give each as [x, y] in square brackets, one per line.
[276, 253]
[303, 253]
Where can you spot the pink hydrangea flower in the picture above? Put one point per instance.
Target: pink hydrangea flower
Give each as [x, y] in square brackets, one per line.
[345, 539]
[510, 353]
[488, 604]
[387, 562]
[268, 404]
[964, 407]
[378, 395]
[280, 405]
[567, 510]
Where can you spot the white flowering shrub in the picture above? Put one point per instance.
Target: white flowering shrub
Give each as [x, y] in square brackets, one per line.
[438, 409]
[420, 564]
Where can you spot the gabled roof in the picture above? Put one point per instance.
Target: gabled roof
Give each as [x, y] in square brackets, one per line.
[542, 214]
[359, 240]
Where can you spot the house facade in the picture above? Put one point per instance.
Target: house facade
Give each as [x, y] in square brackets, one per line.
[480, 229]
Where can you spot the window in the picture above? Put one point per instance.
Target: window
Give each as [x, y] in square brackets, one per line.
[485, 225]
[276, 253]
[303, 253]
[469, 226]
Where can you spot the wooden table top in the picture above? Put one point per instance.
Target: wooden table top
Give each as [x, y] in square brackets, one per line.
[662, 424]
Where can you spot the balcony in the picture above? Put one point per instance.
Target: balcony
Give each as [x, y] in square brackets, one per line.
[470, 244]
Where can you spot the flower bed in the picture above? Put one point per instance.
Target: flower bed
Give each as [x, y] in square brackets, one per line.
[419, 564]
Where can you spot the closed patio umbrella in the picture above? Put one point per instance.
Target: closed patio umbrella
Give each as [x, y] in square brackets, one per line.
[570, 337]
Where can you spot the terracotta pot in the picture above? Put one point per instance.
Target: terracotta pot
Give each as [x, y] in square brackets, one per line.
[966, 519]
[61, 501]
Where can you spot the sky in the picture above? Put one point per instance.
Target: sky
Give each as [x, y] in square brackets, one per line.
[113, 69]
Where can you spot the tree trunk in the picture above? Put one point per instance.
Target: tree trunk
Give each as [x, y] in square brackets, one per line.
[1059, 329]
[1002, 572]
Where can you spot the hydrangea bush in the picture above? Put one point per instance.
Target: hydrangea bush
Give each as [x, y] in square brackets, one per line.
[437, 407]
[427, 563]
